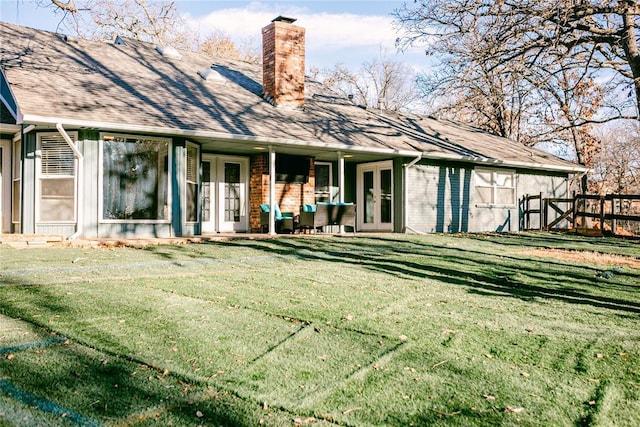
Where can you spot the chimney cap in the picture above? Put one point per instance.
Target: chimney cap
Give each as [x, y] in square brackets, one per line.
[284, 19]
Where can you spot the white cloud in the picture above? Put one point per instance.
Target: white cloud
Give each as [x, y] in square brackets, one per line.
[348, 35]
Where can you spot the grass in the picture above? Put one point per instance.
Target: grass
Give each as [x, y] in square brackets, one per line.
[369, 330]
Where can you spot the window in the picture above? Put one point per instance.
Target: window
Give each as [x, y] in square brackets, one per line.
[57, 179]
[135, 178]
[324, 181]
[17, 168]
[193, 160]
[495, 187]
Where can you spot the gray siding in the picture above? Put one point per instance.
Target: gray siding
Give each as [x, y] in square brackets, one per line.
[442, 199]
[28, 183]
[90, 150]
[439, 198]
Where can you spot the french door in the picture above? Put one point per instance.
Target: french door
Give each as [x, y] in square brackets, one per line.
[375, 196]
[225, 201]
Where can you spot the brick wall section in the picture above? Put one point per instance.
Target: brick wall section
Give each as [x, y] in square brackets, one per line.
[283, 64]
[288, 196]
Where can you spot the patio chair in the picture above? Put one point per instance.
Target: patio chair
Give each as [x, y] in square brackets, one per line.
[284, 220]
[307, 219]
[325, 214]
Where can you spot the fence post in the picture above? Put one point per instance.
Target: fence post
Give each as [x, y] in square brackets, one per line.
[541, 220]
[575, 211]
[602, 214]
[614, 221]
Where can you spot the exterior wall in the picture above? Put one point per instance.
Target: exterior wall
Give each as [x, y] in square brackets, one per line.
[27, 214]
[288, 196]
[442, 199]
[439, 198]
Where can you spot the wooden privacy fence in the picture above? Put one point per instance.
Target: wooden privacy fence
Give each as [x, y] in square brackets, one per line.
[613, 213]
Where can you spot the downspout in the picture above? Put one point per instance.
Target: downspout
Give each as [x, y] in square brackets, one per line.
[405, 210]
[79, 158]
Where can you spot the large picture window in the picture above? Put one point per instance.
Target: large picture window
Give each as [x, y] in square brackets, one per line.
[135, 178]
[57, 179]
[495, 187]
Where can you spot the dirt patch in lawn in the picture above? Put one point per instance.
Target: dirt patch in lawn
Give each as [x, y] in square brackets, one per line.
[585, 256]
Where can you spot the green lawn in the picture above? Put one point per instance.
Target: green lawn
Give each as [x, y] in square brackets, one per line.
[531, 329]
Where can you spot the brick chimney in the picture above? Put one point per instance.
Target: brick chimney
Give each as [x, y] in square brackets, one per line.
[283, 63]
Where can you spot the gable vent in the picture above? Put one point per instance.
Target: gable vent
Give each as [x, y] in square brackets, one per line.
[169, 52]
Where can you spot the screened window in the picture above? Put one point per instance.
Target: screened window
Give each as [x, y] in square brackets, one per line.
[495, 187]
[193, 160]
[57, 174]
[135, 178]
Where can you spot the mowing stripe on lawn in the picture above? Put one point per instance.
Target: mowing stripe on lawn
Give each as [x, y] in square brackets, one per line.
[45, 405]
[30, 345]
[202, 262]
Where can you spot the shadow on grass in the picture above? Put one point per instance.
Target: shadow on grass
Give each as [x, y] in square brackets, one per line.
[101, 386]
[482, 273]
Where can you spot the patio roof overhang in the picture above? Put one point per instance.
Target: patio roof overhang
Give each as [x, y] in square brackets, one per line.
[220, 142]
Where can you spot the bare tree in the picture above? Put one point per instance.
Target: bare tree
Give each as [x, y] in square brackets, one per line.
[600, 35]
[379, 83]
[154, 21]
[535, 71]
[616, 168]
[220, 44]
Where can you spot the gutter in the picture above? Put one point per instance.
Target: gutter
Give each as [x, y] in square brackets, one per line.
[405, 210]
[275, 142]
[80, 159]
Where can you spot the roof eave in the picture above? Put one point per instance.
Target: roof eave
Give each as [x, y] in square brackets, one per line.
[505, 163]
[196, 133]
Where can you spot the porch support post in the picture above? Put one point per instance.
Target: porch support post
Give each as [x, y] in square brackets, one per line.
[340, 177]
[272, 191]
[341, 182]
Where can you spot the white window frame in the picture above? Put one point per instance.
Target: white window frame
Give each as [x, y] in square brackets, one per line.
[16, 180]
[331, 196]
[494, 186]
[103, 220]
[187, 182]
[42, 176]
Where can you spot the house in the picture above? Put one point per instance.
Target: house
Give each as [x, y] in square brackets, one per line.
[129, 139]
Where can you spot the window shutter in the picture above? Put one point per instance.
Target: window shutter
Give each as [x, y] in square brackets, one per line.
[192, 164]
[56, 156]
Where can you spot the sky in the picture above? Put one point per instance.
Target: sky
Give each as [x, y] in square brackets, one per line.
[347, 32]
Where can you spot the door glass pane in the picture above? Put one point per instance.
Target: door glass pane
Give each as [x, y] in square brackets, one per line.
[232, 192]
[206, 191]
[323, 181]
[368, 197]
[385, 196]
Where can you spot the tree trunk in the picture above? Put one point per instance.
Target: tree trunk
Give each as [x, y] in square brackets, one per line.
[630, 46]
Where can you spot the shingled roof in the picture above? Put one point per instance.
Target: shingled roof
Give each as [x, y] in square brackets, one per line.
[131, 86]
